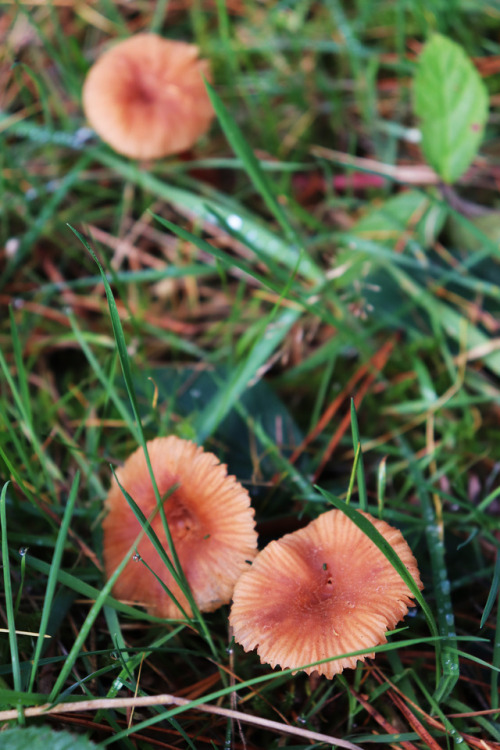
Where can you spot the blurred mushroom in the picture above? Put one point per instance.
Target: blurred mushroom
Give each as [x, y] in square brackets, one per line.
[146, 96]
[322, 591]
[209, 517]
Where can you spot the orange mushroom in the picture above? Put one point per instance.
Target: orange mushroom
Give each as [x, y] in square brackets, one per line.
[322, 591]
[210, 520]
[146, 96]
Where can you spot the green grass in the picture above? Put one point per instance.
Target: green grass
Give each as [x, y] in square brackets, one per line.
[244, 296]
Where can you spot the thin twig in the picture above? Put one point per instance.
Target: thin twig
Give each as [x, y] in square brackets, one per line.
[166, 699]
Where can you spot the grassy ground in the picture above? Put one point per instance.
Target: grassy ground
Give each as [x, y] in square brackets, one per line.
[255, 300]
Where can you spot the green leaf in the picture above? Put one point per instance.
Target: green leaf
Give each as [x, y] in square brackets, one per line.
[452, 103]
[21, 739]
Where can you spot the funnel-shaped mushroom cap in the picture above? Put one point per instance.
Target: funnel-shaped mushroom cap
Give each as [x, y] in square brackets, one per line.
[319, 592]
[209, 517]
[146, 96]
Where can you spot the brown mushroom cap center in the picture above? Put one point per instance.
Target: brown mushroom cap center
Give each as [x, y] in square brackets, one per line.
[149, 89]
[328, 587]
[325, 589]
[146, 86]
[182, 522]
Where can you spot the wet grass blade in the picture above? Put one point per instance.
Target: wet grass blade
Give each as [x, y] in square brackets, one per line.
[251, 164]
[227, 260]
[206, 209]
[450, 665]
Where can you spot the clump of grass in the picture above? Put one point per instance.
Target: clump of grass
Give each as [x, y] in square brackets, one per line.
[249, 291]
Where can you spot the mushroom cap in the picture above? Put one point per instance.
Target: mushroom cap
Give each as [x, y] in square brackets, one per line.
[146, 96]
[209, 517]
[322, 591]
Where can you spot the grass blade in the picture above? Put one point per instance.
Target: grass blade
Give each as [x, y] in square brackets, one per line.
[48, 467]
[20, 369]
[494, 592]
[227, 260]
[90, 592]
[52, 579]
[250, 163]
[360, 471]
[88, 623]
[9, 602]
[223, 401]
[450, 664]
[153, 538]
[205, 209]
[383, 545]
[46, 214]
[495, 585]
[127, 375]
[261, 679]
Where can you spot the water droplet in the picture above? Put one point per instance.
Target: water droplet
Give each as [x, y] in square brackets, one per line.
[413, 135]
[235, 222]
[81, 136]
[12, 246]
[23, 551]
[52, 185]
[136, 557]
